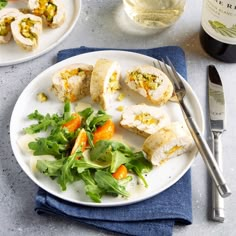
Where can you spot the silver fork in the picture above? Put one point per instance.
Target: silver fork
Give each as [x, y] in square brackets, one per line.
[180, 92]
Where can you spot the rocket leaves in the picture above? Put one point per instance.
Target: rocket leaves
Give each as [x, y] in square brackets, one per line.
[3, 3]
[94, 166]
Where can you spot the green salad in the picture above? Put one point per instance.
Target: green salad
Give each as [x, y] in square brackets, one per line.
[3, 3]
[84, 150]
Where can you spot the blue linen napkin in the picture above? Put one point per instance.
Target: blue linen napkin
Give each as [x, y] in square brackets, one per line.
[154, 216]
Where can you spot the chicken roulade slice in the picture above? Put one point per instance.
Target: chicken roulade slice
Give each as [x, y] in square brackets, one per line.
[52, 11]
[143, 119]
[72, 82]
[26, 30]
[168, 142]
[7, 16]
[151, 83]
[105, 81]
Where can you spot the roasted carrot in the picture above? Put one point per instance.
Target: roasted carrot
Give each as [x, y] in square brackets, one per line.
[104, 132]
[73, 124]
[120, 173]
[81, 141]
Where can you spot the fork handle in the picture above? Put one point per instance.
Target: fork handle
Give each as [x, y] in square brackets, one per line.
[206, 154]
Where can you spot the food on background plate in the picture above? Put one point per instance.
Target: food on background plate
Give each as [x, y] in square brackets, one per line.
[26, 24]
[7, 16]
[143, 119]
[151, 83]
[105, 80]
[168, 142]
[52, 11]
[106, 166]
[42, 97]
[72, 82]
[26, 30]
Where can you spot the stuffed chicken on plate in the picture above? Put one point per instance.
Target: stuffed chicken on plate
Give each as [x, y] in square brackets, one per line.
[72, 82]
[26, 30]
[52, 11]
[151, 83]
[143, 119]
[105, 80]
[7, 16]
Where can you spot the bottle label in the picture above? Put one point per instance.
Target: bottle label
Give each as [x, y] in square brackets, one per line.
[219, 20]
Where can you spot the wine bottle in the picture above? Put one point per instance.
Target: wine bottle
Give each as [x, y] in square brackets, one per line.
[218, 29]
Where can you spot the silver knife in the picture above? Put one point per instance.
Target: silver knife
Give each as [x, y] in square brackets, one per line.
[217, 125]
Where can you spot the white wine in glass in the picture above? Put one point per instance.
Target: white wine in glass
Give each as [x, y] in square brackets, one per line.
[154, 13]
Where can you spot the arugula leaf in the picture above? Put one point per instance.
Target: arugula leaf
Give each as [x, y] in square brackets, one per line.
[96, 171]
[43, 146]
[67, 113]
[100, 118]
[91, 188]
[86, 112]
[101, 152]
[57, 144]
[118, 158]
[121, 147]
[64, 169]
[91, 120]
[109, 184]
[61, 136]
[82, 164]
[68, 173]
[116, 153]
[113, 152]
[90, 138]
[3, 3]
[50, 168]
[139, 165]
[44, 122]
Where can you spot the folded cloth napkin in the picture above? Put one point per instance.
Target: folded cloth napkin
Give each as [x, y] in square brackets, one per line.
[154, 216]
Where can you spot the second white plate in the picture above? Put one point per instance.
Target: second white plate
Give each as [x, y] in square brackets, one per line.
[11, 53]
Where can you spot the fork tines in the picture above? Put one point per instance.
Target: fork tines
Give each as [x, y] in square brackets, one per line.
[169, 70]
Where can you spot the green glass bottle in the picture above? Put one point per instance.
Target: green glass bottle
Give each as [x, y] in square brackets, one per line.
[218, 29]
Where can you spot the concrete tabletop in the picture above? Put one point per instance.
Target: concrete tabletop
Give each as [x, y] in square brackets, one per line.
[101, 25]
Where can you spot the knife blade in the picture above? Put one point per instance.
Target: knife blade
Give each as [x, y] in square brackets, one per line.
[217, 125]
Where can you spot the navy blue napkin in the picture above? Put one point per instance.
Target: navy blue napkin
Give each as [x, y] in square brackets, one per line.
[155, 216]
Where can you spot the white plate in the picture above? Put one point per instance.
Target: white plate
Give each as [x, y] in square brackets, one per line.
[11, 53]
[158, 179]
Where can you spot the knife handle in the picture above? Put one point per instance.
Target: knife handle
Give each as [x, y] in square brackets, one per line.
[217, 200]
[206, 153]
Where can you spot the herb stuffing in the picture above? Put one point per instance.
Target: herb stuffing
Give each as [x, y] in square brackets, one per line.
[84, 151]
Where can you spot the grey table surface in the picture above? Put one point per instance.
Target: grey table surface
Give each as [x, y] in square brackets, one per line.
[101, 25]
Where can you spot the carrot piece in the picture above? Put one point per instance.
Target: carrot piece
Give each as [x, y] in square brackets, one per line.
[120, 173]
[73, 124]
[104, 132]
[81, 141]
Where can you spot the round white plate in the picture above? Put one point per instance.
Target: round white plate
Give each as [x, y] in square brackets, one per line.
[159, 179]
[12, 54]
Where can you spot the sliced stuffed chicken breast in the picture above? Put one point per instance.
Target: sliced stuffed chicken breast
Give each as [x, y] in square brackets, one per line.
[26, 30]
[168, 142]
[7, 16]
[52, 11]
[72, 82]
[105, 80]
[151, 83]
[143, 119]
